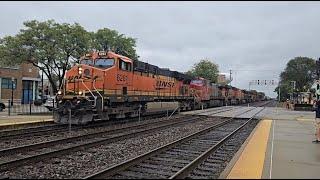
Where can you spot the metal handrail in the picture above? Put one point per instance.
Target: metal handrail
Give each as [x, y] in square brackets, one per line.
[102, 106]
[95, 98]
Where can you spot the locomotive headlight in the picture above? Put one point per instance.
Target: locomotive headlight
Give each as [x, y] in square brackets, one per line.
[59, 92]
[80, 70]
[80, 93]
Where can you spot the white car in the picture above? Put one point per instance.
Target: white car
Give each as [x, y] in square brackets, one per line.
[49, 103]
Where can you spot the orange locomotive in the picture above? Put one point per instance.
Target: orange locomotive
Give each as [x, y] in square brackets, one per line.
[106, 85]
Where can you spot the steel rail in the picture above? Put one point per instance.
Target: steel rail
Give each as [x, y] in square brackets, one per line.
[192, 165]
[37, 131]
[127, 164]
[55, 153]
[23, 148]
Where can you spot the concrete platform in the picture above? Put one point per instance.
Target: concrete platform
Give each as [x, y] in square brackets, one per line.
[15, 121]
[280, 147]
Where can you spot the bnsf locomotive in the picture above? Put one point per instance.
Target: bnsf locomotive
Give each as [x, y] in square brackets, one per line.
[106, 85]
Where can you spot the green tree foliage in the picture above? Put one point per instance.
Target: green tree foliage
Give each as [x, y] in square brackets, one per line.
[300, 69]
[205, 69]
[50, 46]
[54, 48]
[107, 39]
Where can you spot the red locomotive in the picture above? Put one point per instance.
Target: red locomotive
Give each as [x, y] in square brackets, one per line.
[107, 85]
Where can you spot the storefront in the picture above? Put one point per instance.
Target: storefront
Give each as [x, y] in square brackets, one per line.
[19, 83]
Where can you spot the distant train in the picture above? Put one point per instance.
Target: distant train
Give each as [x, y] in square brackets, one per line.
[107, 85]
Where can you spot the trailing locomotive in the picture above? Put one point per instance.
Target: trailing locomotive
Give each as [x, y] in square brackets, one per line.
[107, 85]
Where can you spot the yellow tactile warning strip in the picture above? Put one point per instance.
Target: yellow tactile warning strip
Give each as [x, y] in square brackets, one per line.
[305, 119]
[251, 160]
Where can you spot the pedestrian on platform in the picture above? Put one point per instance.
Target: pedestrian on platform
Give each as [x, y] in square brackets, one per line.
[317, 122]
[287, 104]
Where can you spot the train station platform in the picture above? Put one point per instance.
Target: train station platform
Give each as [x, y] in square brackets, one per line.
[8, 122]
[279, 147]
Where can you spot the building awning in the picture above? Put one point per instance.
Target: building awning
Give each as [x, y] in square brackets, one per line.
[30, 79]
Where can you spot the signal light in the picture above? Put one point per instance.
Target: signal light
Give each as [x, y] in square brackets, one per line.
[258, 82]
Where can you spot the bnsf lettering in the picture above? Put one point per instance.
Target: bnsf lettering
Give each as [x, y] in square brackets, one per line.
[121, 77]
[164, 84]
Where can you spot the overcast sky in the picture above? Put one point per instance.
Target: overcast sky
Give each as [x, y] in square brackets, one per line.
[253, 39]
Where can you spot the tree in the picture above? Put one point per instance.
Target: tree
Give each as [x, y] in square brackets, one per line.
[50, 46]
[54, 48]
[107, 39]
[205, 69]
[299, 69]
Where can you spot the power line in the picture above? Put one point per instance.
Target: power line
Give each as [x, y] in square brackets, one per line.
[257, 70]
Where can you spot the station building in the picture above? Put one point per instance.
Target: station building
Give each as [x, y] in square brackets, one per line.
[26, 79]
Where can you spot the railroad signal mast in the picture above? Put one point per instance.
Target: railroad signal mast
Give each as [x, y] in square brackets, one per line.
[262, 83]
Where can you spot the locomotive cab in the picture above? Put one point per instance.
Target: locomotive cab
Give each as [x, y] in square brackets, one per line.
[87, 83]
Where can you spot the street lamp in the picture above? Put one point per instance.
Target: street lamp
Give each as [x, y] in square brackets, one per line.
[12, 83]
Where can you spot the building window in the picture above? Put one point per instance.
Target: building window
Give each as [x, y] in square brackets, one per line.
[6, 83]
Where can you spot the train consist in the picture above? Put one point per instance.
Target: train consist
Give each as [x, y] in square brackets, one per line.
[107, 85]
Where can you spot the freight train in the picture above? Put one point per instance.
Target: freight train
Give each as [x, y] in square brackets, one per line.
[106, 85]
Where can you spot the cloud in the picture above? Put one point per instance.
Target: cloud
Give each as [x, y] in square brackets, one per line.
[254, 39]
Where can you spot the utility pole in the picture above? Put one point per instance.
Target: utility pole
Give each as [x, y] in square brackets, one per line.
[294, 88]
[279, 94]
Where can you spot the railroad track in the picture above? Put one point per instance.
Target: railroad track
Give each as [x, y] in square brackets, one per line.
[27, 154]
[56, 152]
[47, 129]
[179, 158]
[58, 147]
[56, 128]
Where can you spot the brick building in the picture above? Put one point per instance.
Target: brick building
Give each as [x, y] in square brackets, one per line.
[26, 78]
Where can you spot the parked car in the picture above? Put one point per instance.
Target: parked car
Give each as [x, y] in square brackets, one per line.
[49, 102]
[2, 106]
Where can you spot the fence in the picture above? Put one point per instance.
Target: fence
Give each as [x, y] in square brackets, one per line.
[32, 108]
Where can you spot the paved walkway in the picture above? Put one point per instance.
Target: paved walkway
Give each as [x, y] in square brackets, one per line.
[281, 148]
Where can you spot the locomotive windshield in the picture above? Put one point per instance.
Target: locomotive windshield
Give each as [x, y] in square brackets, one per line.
[104, 63]
[87, 62]
[197, 82]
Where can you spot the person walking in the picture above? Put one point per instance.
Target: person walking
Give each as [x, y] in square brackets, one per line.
[317, 122]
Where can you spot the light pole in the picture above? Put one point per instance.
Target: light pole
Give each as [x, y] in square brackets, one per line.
[12, 83]
[294, 87]
[42, 89]
[279, 91]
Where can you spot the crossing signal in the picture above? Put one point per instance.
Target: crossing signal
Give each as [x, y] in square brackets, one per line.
[258, 82]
